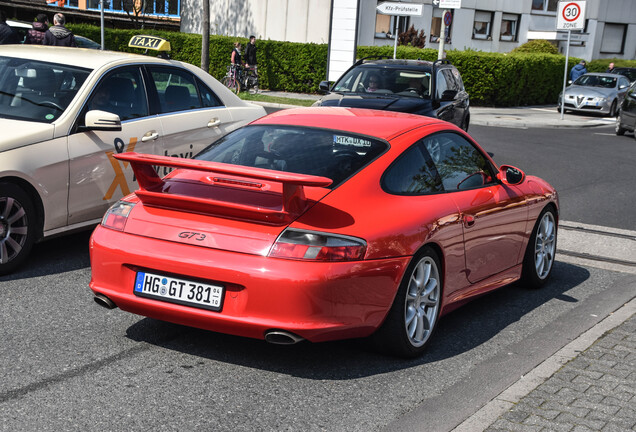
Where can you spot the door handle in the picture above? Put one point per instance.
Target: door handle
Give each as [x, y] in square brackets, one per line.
[214, 122]
[150, 136]
[469, 221]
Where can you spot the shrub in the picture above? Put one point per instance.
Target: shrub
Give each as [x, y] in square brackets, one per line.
[537, 46]
[517, 78]
[412, 38]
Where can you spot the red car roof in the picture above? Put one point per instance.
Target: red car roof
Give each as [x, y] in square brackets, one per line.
[376, 123]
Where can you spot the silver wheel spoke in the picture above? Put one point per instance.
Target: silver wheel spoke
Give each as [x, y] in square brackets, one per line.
[422, 301]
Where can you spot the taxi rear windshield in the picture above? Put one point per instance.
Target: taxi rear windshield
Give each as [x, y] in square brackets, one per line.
[37, 91]
[322, 152]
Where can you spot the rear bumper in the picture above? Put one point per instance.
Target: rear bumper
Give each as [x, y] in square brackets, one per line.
[315, 300]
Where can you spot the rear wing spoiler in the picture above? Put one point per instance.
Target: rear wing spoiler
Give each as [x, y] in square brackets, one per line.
[153, 191]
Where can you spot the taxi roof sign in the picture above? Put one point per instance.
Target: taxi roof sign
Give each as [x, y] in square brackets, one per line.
[149, 42]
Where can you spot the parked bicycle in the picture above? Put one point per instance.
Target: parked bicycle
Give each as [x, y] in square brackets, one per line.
[239, 78]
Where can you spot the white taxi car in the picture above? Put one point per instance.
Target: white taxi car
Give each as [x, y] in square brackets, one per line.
[64, 113]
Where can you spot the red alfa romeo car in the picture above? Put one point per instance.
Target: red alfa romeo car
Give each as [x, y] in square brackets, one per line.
[324, 223]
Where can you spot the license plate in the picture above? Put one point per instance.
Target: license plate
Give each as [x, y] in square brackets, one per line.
[180, 291]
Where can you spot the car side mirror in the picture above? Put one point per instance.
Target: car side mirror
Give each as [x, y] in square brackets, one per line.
[510, 175]
[102, 120]
[449, 95]
[323, 87]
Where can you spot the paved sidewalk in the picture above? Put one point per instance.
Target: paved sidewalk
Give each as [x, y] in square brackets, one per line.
[516, 117]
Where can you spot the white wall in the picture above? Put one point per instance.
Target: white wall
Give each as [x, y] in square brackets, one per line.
[284, 20]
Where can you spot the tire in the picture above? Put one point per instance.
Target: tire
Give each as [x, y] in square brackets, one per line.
[539, 257]
[465, 123]
[18, 226]
[612, 111]
[413, 317]
[619, 129]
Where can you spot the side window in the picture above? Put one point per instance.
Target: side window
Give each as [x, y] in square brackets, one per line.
[441, 85]
[176, 88]
[413, 173]
[623, 82]
[459, 164]
[121, 92]
[208, 98]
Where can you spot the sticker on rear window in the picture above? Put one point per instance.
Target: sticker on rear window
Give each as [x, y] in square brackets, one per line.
[351, 141]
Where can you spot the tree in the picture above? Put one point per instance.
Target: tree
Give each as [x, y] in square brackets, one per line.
[412, 37]
[136, 11]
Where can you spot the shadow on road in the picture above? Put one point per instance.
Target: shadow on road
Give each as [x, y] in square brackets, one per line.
[458, 332]
[58, 255]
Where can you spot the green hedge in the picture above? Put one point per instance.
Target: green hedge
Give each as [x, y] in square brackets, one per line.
[496, 79]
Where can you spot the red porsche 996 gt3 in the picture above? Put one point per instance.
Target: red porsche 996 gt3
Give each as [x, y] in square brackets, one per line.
[324, 223]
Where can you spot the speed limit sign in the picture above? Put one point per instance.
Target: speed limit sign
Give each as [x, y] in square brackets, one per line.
[571, 15]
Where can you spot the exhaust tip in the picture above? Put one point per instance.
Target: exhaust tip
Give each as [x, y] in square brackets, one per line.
[281, 337]
[104, 301]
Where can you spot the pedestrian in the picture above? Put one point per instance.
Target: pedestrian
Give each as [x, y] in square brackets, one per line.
[236, 54]
[59, 35]
[578, 70]
[250, 53]
[7, 34]
[35, 36]
[610, 69]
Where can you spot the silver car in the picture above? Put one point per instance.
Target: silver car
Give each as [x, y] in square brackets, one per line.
[596, 92]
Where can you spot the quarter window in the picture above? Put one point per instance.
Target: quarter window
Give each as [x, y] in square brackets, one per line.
[413, 173]
[458, 163]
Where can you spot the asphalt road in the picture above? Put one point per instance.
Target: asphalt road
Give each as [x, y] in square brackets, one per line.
[67, 364]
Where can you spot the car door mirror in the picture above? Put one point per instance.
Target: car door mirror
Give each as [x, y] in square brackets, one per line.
[510, 175]
[102, 120]
[323, 87]
[449, 95]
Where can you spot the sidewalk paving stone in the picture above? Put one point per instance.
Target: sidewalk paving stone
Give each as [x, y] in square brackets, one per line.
[596, 391]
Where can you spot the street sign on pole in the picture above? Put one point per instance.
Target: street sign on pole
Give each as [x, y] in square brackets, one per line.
[571, 15]
[400, 9]
[447, 4]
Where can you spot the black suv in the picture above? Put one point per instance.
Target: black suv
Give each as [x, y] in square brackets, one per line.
[433, 89]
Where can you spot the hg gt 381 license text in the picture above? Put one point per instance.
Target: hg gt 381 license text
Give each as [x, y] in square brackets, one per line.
[324, 223]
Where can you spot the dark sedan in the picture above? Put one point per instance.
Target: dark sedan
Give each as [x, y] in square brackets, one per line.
[433, 89]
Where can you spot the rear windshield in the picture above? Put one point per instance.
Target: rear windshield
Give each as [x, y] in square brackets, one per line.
[327, 153]
[385, 81]
[37, 91]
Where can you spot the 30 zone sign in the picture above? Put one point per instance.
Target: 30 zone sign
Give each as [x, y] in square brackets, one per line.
[571, 15]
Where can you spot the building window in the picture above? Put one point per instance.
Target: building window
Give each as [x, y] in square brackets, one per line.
[151, 7]
[509, 27]
[482, 25]
[613, 38]
[385, 25]
[544, 5]
[436, 26]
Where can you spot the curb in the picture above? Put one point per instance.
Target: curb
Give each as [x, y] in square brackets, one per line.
[506, 400]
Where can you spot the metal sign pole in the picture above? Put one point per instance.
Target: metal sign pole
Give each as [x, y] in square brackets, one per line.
[565, 74]
[442, 37]
[395, 36]
[101, 19]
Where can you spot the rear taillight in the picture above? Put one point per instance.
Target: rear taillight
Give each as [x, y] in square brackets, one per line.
[317, 246]
[117, 215]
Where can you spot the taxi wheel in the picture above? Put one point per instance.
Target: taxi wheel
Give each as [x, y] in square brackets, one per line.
[17, 226]
[413, 316]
